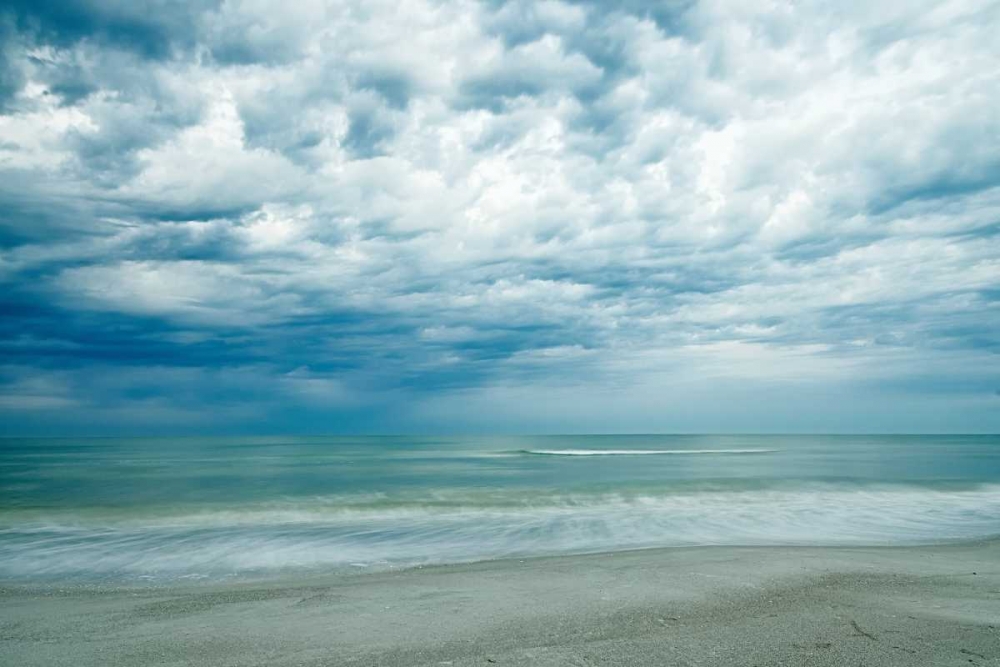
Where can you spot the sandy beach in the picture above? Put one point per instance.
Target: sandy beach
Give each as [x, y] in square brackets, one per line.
[931, 605]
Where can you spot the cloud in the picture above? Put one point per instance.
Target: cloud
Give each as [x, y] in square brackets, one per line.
[566, 215]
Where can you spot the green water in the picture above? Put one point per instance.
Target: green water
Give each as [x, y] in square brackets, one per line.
[162, 508]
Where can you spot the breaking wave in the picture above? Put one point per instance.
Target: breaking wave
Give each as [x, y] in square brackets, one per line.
[345, 532]
[641, 452]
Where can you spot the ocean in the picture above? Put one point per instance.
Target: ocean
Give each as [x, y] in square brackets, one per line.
[166, 509]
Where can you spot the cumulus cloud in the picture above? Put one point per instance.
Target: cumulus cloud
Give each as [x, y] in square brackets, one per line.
[499, 215]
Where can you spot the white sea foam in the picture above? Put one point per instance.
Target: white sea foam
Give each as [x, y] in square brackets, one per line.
[320, 534]
[642, 452]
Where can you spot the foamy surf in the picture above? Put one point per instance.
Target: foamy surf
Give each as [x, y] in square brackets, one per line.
[643, 452]
[320, 534]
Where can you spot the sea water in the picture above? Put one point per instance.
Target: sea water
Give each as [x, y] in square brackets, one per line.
[162, 509]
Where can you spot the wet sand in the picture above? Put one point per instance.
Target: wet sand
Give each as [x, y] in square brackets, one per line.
[931, 605]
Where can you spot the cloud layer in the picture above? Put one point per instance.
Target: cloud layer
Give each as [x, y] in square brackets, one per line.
[527, 216]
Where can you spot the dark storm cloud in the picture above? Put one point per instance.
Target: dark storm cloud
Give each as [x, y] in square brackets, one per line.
[332, 216]
[152, 28]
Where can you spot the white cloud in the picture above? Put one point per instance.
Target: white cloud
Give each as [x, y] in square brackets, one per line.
[497, 188]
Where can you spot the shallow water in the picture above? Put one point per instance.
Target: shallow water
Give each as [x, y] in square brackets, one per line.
[167, 508]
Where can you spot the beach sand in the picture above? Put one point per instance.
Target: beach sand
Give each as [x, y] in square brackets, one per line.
[931, 605]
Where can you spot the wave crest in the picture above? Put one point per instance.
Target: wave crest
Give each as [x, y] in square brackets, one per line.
[643, 452]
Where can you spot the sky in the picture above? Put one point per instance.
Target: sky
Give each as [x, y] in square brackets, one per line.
[245, 216]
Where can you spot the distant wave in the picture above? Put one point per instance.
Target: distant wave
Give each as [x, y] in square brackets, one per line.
[640, 452]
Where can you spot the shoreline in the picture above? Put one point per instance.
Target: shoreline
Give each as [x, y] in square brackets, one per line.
[711, 605]
[331, 576]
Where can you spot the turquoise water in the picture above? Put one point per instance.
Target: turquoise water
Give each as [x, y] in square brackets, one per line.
[168, 508]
